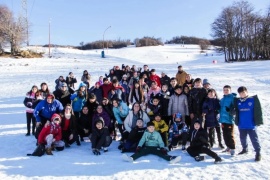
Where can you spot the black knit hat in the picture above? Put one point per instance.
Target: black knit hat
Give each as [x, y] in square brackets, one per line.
[150, 124]
[197, 121]
[178, 87]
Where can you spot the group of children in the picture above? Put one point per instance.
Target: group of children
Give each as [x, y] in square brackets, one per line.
[171, 112]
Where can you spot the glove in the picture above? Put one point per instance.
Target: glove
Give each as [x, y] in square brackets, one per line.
[138, 149]
[29, 104]
[163, 151]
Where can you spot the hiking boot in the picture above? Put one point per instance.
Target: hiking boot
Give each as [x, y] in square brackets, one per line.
[49, 151]
[27, 134]
[244, 151]
[127, 158]
[199, 158]
[258, 157]
[218, 160]
[175, 159]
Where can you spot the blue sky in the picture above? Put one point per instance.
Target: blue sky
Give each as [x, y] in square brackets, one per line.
[85, 20]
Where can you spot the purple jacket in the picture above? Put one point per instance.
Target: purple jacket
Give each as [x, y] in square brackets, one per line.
[105, 117]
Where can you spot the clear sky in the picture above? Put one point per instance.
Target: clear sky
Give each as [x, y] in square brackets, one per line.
[74, 21]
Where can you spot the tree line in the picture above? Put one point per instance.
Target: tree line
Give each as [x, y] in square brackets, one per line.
[242, 33]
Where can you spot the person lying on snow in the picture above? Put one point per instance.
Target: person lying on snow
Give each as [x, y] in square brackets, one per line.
[151, 143]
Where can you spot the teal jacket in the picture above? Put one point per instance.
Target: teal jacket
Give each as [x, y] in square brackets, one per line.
[227, 108]
[151, 139]
[119, 115]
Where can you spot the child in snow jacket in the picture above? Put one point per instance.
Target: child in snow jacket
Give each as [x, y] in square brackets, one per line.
[161, 127]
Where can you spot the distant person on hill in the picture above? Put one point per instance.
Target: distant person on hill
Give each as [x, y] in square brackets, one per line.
[248, 117]
[181, 76]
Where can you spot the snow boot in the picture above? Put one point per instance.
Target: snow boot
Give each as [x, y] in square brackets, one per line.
[244, 151]
[258, 157]
[199, 158]
[49, 151]
[218, 160]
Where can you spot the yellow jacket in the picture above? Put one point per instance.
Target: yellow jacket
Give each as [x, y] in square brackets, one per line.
[161, 126]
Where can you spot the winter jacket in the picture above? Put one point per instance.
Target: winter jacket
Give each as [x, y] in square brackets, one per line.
[152, 92]
[161, 126]
[151, 139]
[28, 102]
[50, 129]
[226, 107]
[155, 78]
[132, 80]
[211, 108]
[92, 107]
[124, 84]
[152, 110]
[165, 80]
[177, 128]
[97, 92]
[199, 138]
[129, 119]
[119, 115]
[181, 77]
[164, 98]
[104, 115]
[71, 81]
[98, 137]
[77, 102]
[248, 112]
[84, 122]
[62, 96]
[136, 134]
[178, 104]
[106, 88]
[196, 99]
[72, 128]
[46, 110]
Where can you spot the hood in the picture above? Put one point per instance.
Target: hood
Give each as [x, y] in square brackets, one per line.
[54, 116]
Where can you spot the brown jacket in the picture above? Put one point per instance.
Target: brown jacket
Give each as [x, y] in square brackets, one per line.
[181, 77]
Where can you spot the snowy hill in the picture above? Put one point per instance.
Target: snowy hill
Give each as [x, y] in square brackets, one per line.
[18, 75]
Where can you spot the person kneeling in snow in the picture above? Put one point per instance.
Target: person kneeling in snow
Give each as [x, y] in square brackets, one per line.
[100, 137]
[51, 135]
[151, 143]
[199, 144]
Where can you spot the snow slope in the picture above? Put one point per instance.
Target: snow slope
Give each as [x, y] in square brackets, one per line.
[18, 75]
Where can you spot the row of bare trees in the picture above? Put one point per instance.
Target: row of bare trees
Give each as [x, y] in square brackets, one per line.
[12, 30]
[242, 33]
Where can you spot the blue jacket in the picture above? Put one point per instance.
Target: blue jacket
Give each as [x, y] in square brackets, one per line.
[77, 102]
[119, 115]
[226, 106]
[248, 112]
[211, 108]
[177, 128]
[46, 110]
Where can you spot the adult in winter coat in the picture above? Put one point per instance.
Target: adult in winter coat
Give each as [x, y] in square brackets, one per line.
[248, 117]
[52, 135]
[181, 76]
[58, 82]
[96, 90]
[124, 84]
[134, 78]
[135, 113]
[106, 87]
[86, 78]
[165, 80]
[84, 125]
[211, 108]
[101, 113]
[155, 77]
[199, 144]
[45, 109]
[120, 111]
[196, 99]
[227, 118]
[71, 80]
[178, 103]
[69, 127]
[28, 102]
[100, 137]
[44, 90]
[63, 94]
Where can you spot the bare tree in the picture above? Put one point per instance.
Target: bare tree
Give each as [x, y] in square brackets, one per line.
[204, 44]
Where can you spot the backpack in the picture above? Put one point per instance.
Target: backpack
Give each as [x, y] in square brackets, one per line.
[39, 151]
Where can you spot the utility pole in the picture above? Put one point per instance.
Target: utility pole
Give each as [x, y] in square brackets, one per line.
[49, 38]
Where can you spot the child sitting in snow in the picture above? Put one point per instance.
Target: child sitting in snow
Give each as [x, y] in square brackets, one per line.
[162, 128]
[100, 137]
[178, 132]
[151, 143]
[51, 135]
[134, 137]
[199, 144]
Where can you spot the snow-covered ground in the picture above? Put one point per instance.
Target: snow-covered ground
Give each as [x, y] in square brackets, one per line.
[18, 75]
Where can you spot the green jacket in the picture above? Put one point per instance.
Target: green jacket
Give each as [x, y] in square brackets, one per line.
[258, 119]
[151, 139]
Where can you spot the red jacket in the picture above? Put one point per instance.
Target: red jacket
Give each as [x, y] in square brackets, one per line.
[106, 89]
[51, 129]
[155, 78]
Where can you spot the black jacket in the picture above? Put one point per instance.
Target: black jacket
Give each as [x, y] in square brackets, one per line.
[165, 80]
[84, 122]
[63, 97]
[136, 134]
[196, 99]
[199, 138]
[99, 136]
